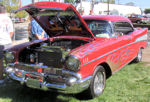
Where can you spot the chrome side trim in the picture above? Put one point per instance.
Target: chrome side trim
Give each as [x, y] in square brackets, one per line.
[142, 38]
[113, 51]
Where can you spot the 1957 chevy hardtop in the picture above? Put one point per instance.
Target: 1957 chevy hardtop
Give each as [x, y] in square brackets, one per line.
[80, 53]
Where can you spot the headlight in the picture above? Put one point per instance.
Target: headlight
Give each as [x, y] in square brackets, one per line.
[73, 63]
[9, 57]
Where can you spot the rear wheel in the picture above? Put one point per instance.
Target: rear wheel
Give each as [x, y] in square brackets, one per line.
[139, 56]
[97, 84]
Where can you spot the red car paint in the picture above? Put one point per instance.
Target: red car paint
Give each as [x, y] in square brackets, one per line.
[114, 51]
[99, 46]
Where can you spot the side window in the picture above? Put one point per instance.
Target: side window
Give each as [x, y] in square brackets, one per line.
[123, 28]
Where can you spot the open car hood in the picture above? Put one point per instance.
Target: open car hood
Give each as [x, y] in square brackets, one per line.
[58, 19]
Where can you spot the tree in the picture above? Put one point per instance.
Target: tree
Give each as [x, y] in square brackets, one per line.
[71, 1]
[110, 1]
[130, 4]
[21, 14]
[147, 10]
[12, 5]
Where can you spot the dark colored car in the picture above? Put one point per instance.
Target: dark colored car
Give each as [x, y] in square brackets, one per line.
[148, 18]
[138, 19]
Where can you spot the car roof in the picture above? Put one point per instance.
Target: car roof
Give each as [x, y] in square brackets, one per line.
[107, 17]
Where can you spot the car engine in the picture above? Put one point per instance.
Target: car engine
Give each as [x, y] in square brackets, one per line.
[52, 54]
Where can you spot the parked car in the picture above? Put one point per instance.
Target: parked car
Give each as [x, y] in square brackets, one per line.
[138, 19]
[81, 53]
[148, 19]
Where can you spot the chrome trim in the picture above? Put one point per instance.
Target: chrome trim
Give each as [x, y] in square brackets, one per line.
[65, 72]
[111, 52]
[142, 38]
[77, 75]
[72, 84]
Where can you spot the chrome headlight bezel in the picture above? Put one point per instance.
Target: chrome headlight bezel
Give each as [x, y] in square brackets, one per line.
[72, 63]
[9, 56]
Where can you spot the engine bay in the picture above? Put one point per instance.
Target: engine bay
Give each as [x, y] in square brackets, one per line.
[68, 44]
[52, 54]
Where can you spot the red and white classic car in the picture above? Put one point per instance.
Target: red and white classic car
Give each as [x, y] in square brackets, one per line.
[81, 52]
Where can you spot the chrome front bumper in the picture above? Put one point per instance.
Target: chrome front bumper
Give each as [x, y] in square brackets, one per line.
[72, 82]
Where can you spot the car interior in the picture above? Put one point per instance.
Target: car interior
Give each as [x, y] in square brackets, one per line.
[123, 27]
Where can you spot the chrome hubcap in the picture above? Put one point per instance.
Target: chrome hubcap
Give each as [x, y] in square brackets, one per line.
[99, 83]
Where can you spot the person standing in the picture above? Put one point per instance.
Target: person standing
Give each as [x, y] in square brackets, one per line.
[36, 31]
[29, 29]
[6, 33]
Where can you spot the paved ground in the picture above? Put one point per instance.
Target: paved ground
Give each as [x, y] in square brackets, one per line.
[146, 55]
[146, 52]
[21, 36]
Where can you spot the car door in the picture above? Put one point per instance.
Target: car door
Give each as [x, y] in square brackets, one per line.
[124, 51]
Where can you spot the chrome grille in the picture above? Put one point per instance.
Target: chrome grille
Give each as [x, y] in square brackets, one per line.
[52, 59]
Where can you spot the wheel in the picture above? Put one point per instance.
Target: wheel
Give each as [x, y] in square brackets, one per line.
[139, 56]
[97, 84]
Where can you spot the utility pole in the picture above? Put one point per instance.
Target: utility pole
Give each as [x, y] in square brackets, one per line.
[80, 10]
[92, 6]
[32, 1]
[108, 7]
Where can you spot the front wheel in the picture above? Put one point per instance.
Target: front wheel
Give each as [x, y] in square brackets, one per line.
[97, 84]
[139, 56]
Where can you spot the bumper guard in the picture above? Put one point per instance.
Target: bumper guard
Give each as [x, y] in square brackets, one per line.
[72, 82]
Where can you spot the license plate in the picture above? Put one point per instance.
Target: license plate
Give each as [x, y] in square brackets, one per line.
[33, 83]
[53, 71]
[50, 71]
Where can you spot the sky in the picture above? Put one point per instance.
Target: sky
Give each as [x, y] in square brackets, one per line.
[140, 3]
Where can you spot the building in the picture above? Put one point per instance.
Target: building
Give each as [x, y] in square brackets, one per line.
[114, 9]
[48, 0]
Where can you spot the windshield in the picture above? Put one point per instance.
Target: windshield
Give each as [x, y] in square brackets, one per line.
[100, 28]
